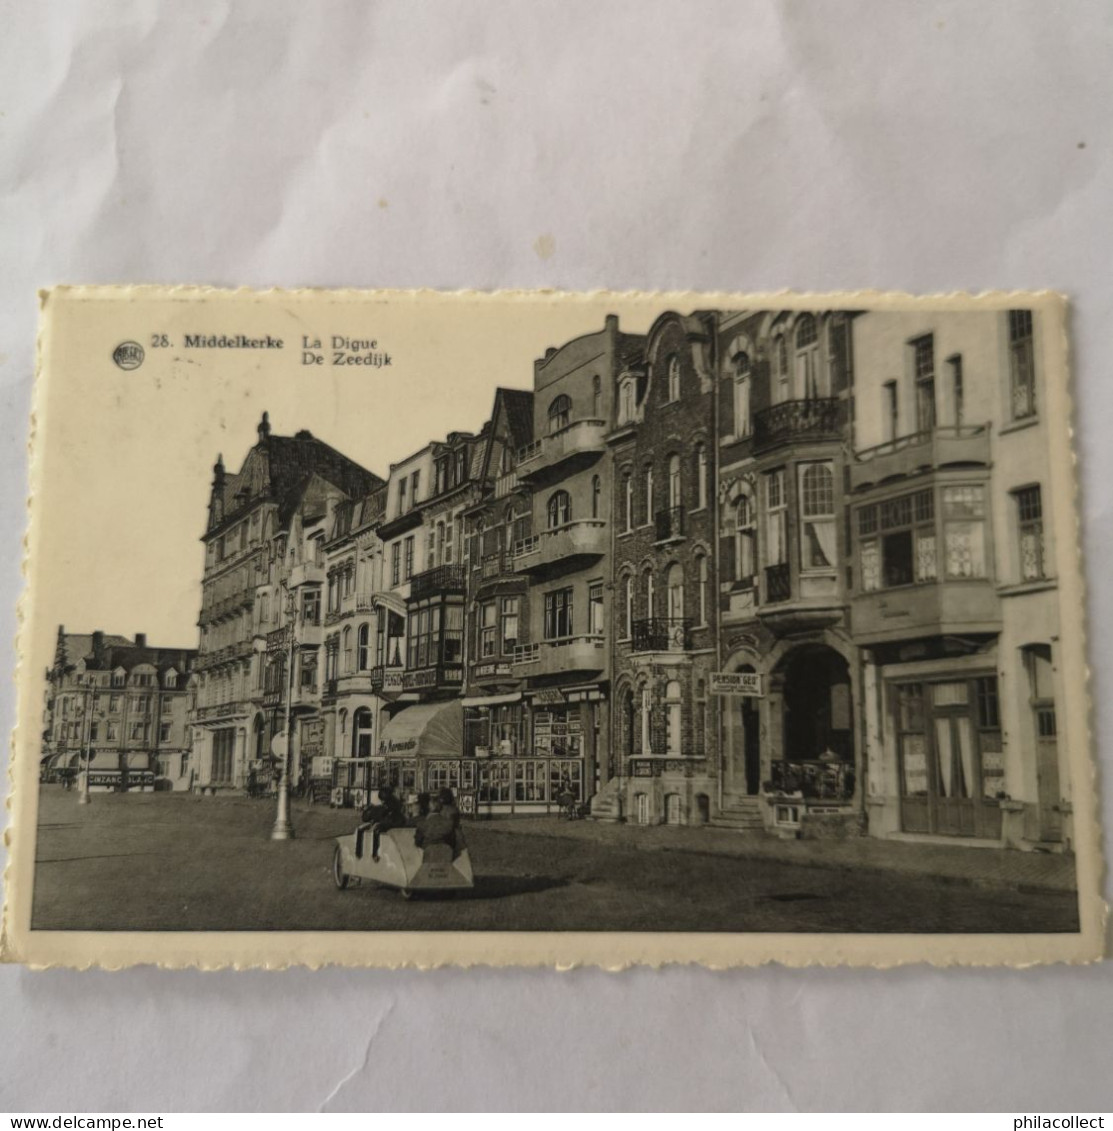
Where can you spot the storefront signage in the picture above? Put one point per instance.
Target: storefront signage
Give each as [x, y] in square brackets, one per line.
[549, 695]
[396, 746]
[321, 766]
[430, 677]
[392, 679]
[484, 670]
[737, 683]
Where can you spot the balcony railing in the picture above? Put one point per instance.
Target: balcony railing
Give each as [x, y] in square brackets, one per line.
[439, 579]
[778, 583]
[579, 441]
[554, 657]
[661, 634]
[944, 446]
[819, 418]
[670, 524]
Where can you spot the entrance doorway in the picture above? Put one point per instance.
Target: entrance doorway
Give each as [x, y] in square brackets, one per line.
[743, 738]
[817, 711]
[672, 809]
[751, 746]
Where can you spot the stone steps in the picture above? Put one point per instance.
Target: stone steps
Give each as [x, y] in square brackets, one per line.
[741, 813]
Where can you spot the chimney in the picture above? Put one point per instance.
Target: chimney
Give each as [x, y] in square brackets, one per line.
[612, 323]
[98, 646]
[141, 640]
[264, 427]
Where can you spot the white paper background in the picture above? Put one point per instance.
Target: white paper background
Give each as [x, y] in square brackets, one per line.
[919, 146]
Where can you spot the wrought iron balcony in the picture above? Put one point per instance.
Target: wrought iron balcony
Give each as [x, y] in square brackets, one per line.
[439, 579]
[661, 634]
[819, 418]
[670, 524]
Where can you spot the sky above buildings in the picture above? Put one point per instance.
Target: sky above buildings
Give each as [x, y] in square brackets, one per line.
[127, 455]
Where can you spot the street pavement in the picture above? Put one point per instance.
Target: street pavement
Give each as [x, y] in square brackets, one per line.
[181, 862]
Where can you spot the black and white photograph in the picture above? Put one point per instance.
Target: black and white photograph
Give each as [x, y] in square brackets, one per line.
[555, 615]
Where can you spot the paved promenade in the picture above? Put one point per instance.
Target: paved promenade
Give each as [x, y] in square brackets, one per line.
[980, 867]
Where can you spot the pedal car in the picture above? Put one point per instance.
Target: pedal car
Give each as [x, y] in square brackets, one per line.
[401, 863]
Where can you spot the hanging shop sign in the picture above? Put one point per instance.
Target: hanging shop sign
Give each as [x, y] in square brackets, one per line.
[548, 695]
[737, 683]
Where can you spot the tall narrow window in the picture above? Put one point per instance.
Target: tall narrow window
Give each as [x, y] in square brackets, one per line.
[628, 500]
[1022, 364]
[675, 591]
[703, 573]
[780, 390]
[701, 476]
[595, 624]
[807, 357]
[488, 614]
[596, 495]
[964, 531]
[647, 581]
[510, 607]
[560, 509]
[597, 397]
[674, 377]
[558, 614]
[674, 481]
[954, 366]
[776, 515]
[890, 408]
[401, 495]
[744, 539]
[396, 563]
[363, 647]
[408, 567]
[741, 363]
[349, 656]
[1029, 514]
[560, 413]
[672, 715]
[627, 607]
[923, 367]
[648, 493]
[817, 517]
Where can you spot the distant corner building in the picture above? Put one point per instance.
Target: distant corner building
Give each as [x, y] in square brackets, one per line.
[771, 570]
[117, 708]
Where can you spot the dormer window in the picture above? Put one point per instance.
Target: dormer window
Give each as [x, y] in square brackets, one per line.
[626, 401]
[560, 413]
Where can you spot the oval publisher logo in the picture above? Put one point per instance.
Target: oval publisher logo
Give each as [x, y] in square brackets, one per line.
[128, 355]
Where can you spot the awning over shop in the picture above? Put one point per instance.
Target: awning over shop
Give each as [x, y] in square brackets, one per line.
[491, 700]
[428, 730]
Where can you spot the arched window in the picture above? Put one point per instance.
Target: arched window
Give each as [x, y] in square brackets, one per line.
[628, 500]
[560, 509]
[626, 401]
[627, 607]
[675, 591]
[817, 517]
[363, 647]
[703, 576]
[674, 377]
[674, 481]
[596, 495]
[744, 539]
[347, 649]
[672, 717]
[597, 397]
[361, 733]
[742, 380]
[701, 476]
[648, 493]
[807, 357]
[560, 413]
[647, 589]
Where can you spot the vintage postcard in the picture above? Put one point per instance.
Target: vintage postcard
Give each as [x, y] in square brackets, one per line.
[387, 628]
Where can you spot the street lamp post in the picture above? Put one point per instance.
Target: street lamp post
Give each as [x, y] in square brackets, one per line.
[86, 752]
[283, 827]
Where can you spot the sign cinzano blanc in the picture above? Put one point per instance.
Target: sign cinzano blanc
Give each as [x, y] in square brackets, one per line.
[737, 683]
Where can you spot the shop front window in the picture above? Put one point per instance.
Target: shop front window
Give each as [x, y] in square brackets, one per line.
[530, 780]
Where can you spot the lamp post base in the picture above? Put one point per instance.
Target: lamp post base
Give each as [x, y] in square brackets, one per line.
[282, 830]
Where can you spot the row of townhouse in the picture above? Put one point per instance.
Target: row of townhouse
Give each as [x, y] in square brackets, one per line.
[118, 709]
[766, 569]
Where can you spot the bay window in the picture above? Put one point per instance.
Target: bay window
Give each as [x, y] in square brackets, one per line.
[817, 517]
